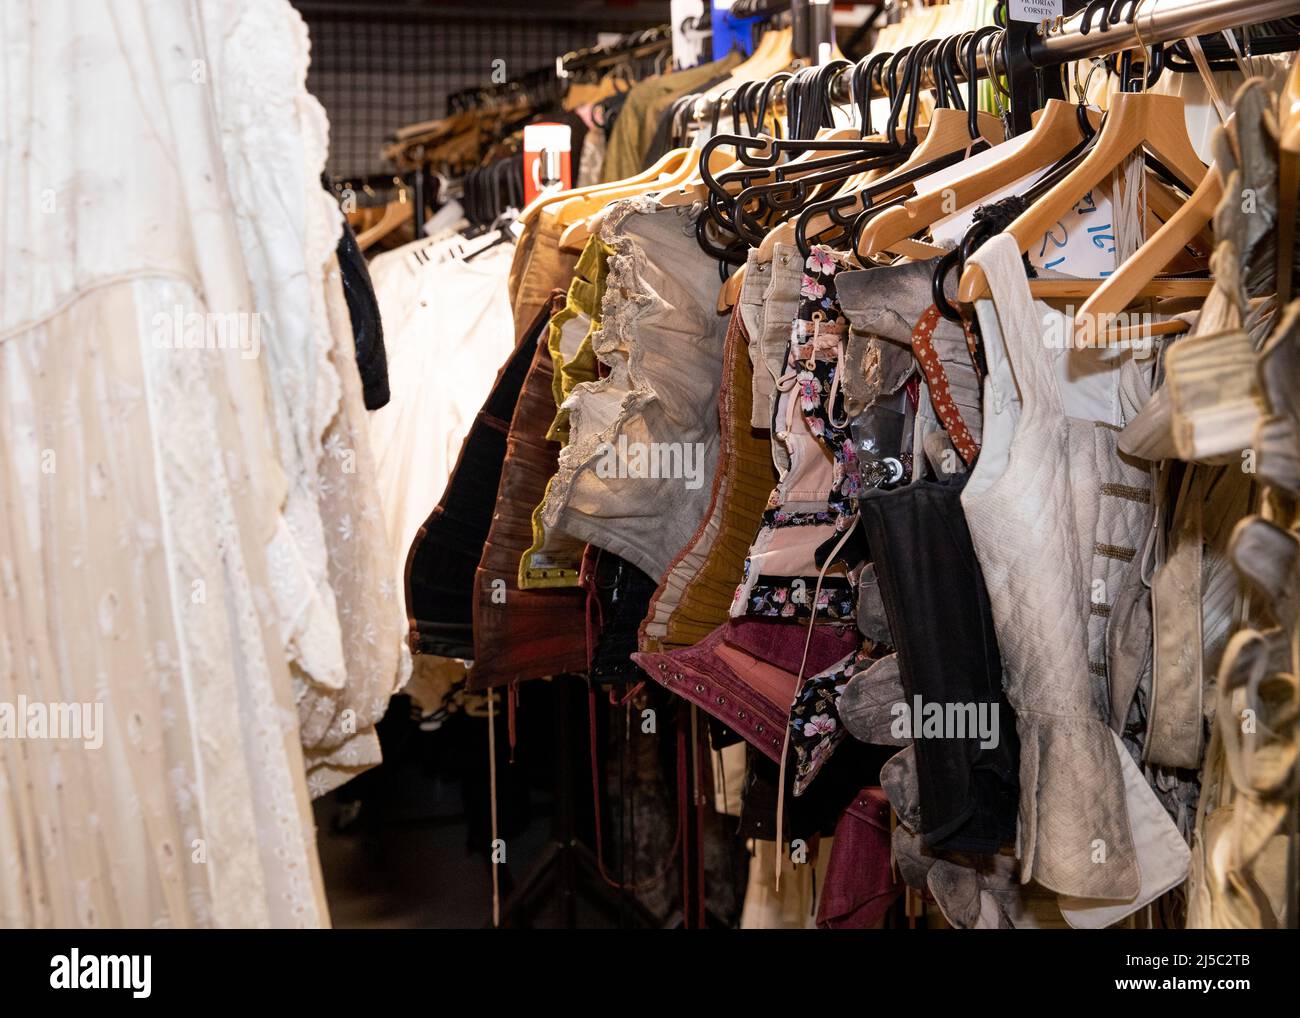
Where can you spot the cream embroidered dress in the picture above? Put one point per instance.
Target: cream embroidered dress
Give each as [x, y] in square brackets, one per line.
[178, 543]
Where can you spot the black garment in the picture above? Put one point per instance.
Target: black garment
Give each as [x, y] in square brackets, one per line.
[367, 328]
[661, 142]
[444, 556]
[624, 594]
[610, 107]
[942, 627]
[854, 766]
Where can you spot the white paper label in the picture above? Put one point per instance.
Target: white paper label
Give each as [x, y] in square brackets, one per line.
[1081, 244]
[1035, 10]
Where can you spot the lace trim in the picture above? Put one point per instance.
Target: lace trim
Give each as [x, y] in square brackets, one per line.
[246, 769]
[280, 208]
[622, 306]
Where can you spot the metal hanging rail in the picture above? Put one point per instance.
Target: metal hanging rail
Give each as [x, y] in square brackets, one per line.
[1155, 21]
[1027, 51]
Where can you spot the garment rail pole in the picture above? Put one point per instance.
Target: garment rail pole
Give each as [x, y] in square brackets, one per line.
[1157, 21]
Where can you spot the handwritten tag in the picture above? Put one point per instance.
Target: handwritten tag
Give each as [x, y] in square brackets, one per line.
[1081, 244]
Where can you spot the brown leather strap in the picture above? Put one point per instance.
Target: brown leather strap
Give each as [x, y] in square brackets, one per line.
[937, 381]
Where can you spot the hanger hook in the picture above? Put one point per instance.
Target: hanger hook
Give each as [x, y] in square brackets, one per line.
[895, 93]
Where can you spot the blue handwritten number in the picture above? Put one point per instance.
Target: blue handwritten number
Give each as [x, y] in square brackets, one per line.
[1051, 235]
[1100, 239]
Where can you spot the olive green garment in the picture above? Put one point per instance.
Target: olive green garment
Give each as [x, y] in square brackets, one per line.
[635, 126]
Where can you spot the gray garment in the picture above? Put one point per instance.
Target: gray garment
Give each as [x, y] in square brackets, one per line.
[972, 892]
[769, 301]
[758, 276]
[875, 365]
[883, 305]
[872, 622]
[866, 704]
[657, 411]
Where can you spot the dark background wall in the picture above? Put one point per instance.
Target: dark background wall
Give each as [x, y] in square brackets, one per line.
[379, 65]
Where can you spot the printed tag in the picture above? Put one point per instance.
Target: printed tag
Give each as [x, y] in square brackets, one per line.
[1035, 10]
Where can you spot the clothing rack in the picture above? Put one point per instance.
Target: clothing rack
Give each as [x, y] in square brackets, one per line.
[759, 8]
[812, 21]
[540, 80]
[633, 46]
[1028, 50]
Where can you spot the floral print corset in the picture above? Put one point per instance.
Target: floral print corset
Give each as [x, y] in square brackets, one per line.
[817, 339]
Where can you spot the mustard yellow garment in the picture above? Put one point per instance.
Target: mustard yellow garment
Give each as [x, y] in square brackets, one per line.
[554, 559]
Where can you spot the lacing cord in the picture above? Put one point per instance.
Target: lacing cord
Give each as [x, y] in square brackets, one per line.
[835, 388]
[798, 688]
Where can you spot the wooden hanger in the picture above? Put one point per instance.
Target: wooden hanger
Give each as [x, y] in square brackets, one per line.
[1288, 179]
[1054, 134]
[1070, 288]
[396, 214]
[667, 164]
[1136, 120]
[572, 214]
[579, 232]
[582, 93]
[1128, 334]
[947, 134]
[1122, 287]
[775, 52]
[1163, 203]
[730, 291]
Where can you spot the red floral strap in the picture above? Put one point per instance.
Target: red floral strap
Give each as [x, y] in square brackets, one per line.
[937, 380]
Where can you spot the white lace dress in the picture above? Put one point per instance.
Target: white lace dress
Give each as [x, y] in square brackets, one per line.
[149, 497]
